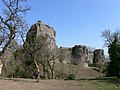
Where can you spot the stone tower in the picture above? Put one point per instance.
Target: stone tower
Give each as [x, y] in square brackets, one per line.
[39, 29]
[79, 53]
[98, 56]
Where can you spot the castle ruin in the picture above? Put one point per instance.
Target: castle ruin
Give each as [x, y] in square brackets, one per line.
[80, 53]
[40, 29]
[76, 54]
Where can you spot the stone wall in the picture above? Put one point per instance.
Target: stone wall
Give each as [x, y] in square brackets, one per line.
[39, 29]
[80, 53]
[76, 54]
[46, 30]
[90, 57]
[66, 54]
[98, 56]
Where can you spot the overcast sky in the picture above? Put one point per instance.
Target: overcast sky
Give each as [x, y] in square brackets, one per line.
[77, 21]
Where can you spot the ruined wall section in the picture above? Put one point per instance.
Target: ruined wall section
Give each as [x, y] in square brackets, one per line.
[41, 29]
[47, 31]
[66, 54]
[75, 54]
[99, 56]
[80, 53]
[90, 57]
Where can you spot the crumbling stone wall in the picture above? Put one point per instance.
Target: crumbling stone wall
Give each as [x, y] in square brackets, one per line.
[79, 53]
[90, 57]
[98, 56]
[75, 54]
[42, 29]
[66, 54]
[46, 30]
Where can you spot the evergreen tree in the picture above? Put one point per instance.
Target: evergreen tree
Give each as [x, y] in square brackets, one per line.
[114, 54]
[112, 40]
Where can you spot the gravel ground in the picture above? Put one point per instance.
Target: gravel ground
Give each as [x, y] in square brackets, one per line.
[42, 85]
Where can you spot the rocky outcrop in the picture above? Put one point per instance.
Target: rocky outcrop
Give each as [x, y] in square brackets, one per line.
[98, 56]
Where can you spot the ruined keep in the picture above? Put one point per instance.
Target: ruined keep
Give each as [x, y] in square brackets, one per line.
[79, 53]
[98, 56]
[39, 29]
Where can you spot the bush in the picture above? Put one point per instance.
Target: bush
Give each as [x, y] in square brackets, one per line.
[71, 77]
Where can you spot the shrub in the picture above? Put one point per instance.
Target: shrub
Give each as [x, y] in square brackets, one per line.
[71, 77]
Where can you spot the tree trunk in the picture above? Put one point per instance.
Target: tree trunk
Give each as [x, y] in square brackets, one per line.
[48, 74]
[52, 70]
[38, 70]
[51, 67]
[52, 73]
[38, 77]
[44, 72]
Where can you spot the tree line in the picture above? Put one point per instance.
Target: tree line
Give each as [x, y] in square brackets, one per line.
[112, 41]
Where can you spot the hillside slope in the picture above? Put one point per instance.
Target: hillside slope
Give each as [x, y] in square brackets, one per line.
[79, 72]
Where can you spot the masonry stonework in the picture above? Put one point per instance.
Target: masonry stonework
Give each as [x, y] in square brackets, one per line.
[76, 54]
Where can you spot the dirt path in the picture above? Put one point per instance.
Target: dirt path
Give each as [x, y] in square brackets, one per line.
[43, 85]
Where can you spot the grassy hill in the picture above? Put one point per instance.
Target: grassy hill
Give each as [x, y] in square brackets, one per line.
[78, 71]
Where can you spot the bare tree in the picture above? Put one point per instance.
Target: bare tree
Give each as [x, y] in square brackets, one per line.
[108, 36]
[61, 59]
[51, 57]
[12, 23]
[46, 55]
[43, 54]
[112, 41]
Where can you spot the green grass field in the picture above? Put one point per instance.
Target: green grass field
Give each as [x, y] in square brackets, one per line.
[92, 84]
